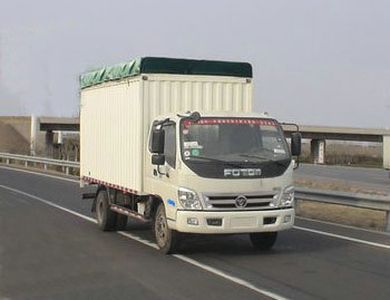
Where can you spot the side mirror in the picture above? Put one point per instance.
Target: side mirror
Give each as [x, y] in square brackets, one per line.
[195, 116]
[158, 159]
[158, 137]
[296, 142]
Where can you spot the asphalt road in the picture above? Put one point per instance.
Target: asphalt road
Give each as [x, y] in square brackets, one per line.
[50, 248]
[369, 178]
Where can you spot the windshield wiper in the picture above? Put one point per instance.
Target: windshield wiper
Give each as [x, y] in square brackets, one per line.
[254, 156]
[216, 160]
[263, 158]
[280, 163]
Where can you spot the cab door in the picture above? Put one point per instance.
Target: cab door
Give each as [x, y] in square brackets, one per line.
[162, 180]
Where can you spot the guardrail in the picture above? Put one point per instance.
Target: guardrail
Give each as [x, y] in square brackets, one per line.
[374, 202]
[65, 164]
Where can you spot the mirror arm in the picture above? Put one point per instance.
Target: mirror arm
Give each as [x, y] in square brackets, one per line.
[297, 130]
[297, 162]
[158, 170]
[194, 116]
[161, 123]
[161, 173]
[291, 124]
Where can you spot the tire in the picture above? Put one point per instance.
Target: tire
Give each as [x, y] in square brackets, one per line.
[121, 222]
[106, 218]
[263, 241]
[167, 239]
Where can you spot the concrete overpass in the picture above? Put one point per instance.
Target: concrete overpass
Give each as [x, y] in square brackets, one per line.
[58, 124]
[317, 134]
[49, 125]
[339, 133]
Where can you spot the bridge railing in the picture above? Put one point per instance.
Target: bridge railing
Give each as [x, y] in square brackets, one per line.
[374, 202]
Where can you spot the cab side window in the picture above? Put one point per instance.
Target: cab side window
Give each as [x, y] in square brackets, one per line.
[170, 144]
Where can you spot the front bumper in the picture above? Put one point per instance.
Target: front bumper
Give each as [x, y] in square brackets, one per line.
[233, 221]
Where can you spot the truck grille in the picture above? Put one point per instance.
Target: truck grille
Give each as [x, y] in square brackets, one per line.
[228, 202]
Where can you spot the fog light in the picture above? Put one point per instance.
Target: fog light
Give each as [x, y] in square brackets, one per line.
[287, 219]
[192, 221]
[269, 220]
[214, 222]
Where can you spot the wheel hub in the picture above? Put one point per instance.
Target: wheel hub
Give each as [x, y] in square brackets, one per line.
[99, 211]
[161, 229]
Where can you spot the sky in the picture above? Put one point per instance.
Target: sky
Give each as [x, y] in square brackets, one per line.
[315, 62]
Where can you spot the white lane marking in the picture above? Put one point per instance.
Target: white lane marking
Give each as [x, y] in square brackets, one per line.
[138, 239]
[153, 245]
[228, 277]
[343, 237]
[41, 174]
[343, 226]
[48, 203]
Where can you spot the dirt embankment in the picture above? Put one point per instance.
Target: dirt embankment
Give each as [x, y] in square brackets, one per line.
[12, 141]
[354, 216]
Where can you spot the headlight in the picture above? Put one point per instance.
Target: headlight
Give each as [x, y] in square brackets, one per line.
[276, 198]
[287, 197]
[189, 199]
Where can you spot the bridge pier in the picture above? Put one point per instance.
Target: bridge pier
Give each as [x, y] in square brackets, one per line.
[49, 143]
[317, 150]
[386, 152]
[34, 135]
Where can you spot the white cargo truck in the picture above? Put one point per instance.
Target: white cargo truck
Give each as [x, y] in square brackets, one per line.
[174, 142]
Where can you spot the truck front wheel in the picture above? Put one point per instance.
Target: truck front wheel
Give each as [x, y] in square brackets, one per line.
[121, 222]
[106, 218]
[166, 239]
[263, 240]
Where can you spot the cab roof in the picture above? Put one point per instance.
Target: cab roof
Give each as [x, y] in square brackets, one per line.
[223, 114]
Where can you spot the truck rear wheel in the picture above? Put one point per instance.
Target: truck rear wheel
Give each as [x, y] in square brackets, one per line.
[166, 239]
[106, 218]
[263, 240]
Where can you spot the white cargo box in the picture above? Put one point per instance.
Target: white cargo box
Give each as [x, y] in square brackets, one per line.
[117, 110]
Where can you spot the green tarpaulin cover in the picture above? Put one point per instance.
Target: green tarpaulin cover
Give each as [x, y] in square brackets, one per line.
[159, 65]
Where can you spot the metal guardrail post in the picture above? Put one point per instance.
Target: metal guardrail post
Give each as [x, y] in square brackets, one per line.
[387, 224]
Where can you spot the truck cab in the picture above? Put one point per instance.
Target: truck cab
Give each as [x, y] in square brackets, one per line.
[219, 173]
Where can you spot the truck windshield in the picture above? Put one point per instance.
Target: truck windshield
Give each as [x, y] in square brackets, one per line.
[250, 143]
